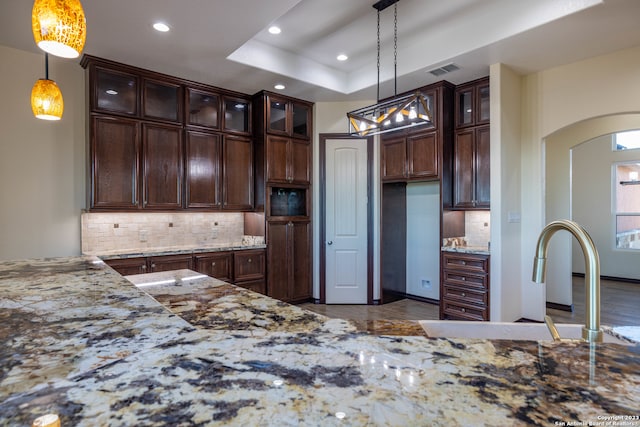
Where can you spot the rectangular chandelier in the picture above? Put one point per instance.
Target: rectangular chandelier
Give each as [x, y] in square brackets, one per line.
[398, 113]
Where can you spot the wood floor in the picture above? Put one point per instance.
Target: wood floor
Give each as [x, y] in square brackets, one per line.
[619, 306]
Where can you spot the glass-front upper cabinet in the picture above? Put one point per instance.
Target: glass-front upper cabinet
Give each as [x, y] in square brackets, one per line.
[277, 115]
[115, 92]
[161, 100]
[472, 103]
[300, 120]
[237, 114]
[203, 108]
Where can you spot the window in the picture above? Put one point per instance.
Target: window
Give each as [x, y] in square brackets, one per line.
[629, 140]
[627, 205]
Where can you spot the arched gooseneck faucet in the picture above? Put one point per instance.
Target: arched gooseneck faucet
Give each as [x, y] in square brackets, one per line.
[591, 331]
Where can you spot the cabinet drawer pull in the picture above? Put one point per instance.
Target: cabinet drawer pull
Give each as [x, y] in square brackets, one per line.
[463, 262]
[153, 266]
[213, 264]
[463, 278]
[463, 294]
[249, 260]
[463, 310]
[144, 267]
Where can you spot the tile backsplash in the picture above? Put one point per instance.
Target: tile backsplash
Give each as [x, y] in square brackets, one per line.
[127, 232]
[478, 228]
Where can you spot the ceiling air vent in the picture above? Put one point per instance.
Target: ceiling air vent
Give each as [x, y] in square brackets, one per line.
[444, 69]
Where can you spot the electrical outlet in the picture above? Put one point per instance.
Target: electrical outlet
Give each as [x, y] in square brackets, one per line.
[214, 233]
[143, 235]
[425, 283]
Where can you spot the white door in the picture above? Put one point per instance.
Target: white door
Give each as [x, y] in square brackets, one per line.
[346, 221]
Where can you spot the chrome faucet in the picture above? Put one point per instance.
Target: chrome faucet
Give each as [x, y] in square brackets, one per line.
[591, 331]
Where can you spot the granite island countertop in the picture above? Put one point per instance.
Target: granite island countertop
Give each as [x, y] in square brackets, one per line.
[81, 341]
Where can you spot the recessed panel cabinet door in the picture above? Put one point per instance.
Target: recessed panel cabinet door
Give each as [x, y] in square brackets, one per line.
[203, 158]
[394, 158]
[300, 167]
[300, 250]
[278, 260]
[115, 150]
[162, 179]
[237, 170]
[464, 169]
[483, 169]
[277, 170]
[423, 156]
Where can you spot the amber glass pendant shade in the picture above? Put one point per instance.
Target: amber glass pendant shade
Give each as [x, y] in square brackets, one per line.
[46, 100]
[59, 27]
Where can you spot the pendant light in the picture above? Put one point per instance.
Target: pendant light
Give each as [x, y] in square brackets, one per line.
[59, 27]
[46, 98]
[399, 112]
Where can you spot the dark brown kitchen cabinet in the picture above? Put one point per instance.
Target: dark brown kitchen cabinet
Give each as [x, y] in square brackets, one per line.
[472, 103]
[115, 157]
[464, 286]
[215, 264]
[288, 117]
[202, 108]
[114, 91]
[237, 173]
[203, 170]
[170, 262]
[288, 160]
[129, 266]
[249, 269]
[413, 156]
[162, 166]
[289, 260]
[161, 100]
[141, 265]
[471, 170]
[236, 114]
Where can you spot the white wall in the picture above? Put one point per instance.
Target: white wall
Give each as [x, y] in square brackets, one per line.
[42, 163]
[592, 200]
[553, 102]
[423, 239]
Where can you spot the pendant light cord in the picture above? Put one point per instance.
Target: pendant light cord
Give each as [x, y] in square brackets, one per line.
[46, 65]
[395, 49]
[378, 93]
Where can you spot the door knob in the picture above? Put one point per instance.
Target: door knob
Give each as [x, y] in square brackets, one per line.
[330, 242]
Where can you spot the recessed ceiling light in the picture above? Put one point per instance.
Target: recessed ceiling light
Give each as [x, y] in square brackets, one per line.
[342, 57]
[161, 26]
[274, 30]
[279, 86]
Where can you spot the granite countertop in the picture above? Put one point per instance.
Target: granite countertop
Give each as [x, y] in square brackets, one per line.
[81, 341]
[481, 250]
[178, 250]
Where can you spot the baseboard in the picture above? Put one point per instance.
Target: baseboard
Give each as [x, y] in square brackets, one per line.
[392, 296]
[562, 307]
[614, 279]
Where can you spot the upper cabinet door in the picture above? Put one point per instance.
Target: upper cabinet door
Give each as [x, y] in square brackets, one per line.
[161, 101]
[237, 115]
[237, 173]
[464, 107]
[472, 103]
[115, 156]
[162, 173]
[393, 161]
[115, 92]
[423, 156]
[301, 120]
[203, 170]
[203, 109]
[277, 115]
[482, 107]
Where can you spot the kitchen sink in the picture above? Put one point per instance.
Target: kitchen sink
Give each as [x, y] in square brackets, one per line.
[505, 331]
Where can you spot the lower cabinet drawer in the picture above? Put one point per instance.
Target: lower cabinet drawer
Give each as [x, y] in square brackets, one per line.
[464, 279]
[255, 286]
[469, 296]
[457, 311]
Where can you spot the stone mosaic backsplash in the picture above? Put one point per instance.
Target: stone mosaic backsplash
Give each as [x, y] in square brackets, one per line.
[127, 232]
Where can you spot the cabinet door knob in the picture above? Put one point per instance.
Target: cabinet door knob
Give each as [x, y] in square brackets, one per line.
[463, 310]
[249, 260]
[463, 278]
[144, 267]
[213, 264]
[463, 262]
[464, 295]
[153, 266]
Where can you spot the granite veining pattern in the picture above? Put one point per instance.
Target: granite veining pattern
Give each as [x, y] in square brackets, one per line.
[81, 341]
